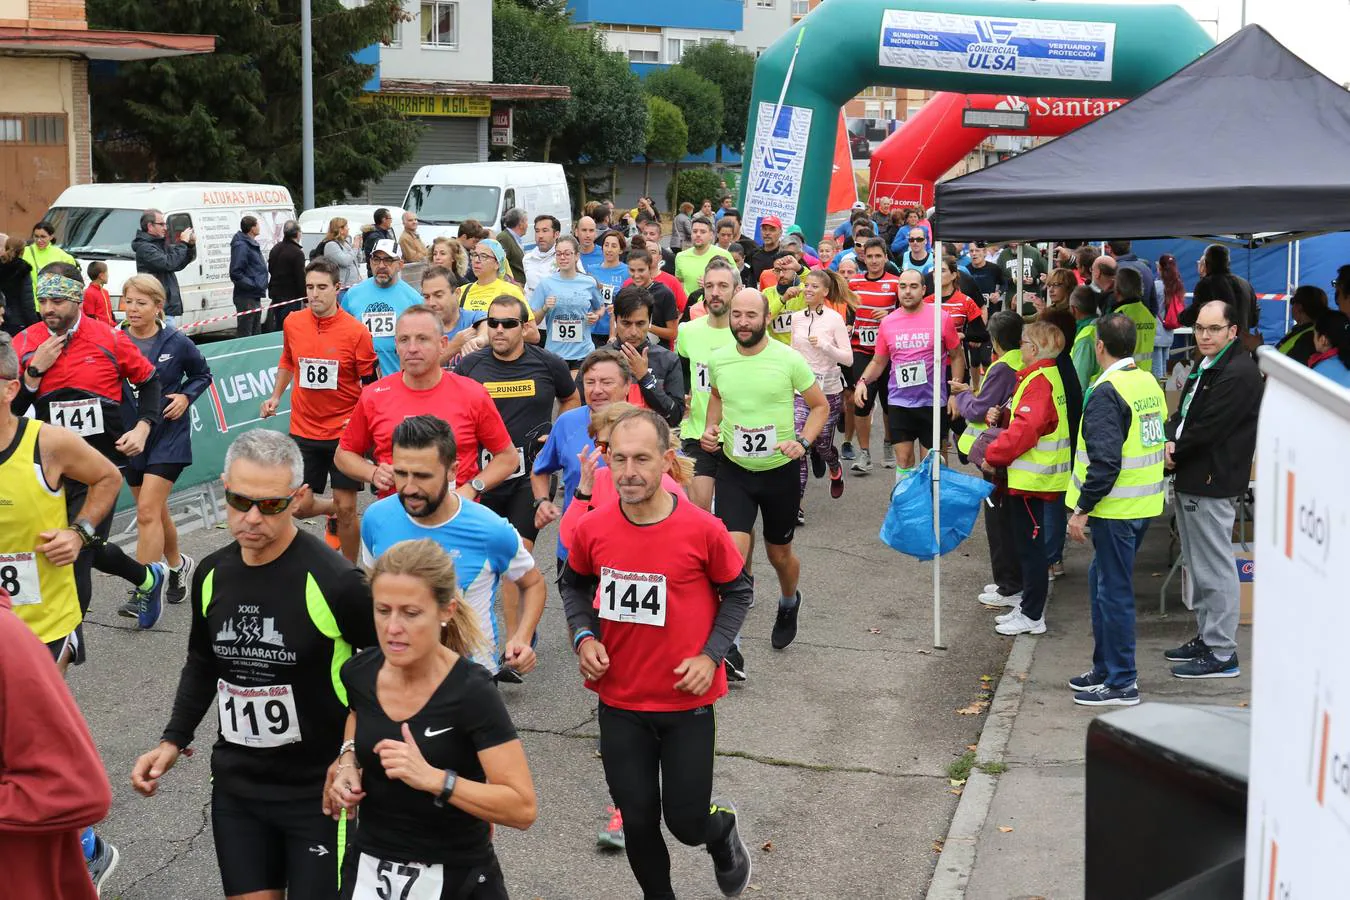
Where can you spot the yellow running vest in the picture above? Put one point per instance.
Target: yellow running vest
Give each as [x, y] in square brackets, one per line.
[1145, 328]
[43, 594]
[1013, 360]
[1138, 491]
[1045, 468]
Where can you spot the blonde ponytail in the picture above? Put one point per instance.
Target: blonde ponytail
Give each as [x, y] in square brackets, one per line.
[425, 560]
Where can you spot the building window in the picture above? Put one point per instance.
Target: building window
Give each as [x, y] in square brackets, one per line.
[644, 56]
[440, 24]
[675, 48]
[766, 4]
[800, 7]
[393, 37]
[45, 130]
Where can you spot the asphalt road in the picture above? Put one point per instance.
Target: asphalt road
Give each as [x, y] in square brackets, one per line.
[834, 751]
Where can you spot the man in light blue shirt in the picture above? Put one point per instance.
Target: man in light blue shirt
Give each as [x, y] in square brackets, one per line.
[377, 302]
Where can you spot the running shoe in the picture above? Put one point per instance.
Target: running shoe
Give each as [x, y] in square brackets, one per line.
[144, 605]
[1209, 666]
[1101, 695]
[180, 579]
[103, 863]
[801, 516]
[837, 484]
[1020, 624]
[1009, 615]
[994, 598]
[1056, 570]
[506, 674]
[846, 451]
[989, 588]
[863, 464]
[888, 454]
[735, 664]
[785, 625]
[611, 836]
[1087, 681]
[731, 858]
[817, 464]
[1195, 648]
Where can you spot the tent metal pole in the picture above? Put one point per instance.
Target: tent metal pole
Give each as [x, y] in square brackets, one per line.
[939, 377]
[1019, 278]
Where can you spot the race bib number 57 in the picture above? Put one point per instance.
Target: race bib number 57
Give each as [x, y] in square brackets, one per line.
[635, 597]
[380, 879]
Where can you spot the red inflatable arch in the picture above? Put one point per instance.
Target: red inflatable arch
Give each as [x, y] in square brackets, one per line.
[909, 162]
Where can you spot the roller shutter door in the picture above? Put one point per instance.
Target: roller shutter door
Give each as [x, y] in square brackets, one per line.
[444, 140]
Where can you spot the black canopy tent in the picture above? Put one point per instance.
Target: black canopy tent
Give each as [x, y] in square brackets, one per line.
[1247, 139]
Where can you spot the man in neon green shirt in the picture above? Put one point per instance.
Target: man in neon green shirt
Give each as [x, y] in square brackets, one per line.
[750, 414]
[695, 343]
[1083, 305]
[785, 296]
[690, 263]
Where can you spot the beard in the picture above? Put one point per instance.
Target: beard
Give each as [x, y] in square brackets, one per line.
[430, 504]
[756, 335]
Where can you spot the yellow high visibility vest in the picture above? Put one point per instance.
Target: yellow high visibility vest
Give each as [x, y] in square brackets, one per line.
[1013, 360]
[1046, 467]
[1145, 327]
[1138, 491]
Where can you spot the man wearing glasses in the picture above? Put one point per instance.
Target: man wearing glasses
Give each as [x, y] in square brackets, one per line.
[422, 386]
[162, 258]
[917, 257]
[274, 615]
[73, 373]
[524, 381]
[378, 302]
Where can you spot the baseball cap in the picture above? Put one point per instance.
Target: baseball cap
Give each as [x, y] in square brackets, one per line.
[387, 247]
[860, 205]
[774, 221]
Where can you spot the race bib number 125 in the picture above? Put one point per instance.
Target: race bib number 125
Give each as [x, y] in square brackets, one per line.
[379, 324]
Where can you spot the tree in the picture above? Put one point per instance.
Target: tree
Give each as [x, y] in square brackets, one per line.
[667, 136]
[234, 115]
[733, 71]
[698, 99]
[530, 46]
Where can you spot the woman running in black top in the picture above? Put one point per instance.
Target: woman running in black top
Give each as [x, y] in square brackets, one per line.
[431, 757]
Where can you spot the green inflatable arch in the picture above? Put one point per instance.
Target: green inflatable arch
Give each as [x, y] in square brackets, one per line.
[1019, 47]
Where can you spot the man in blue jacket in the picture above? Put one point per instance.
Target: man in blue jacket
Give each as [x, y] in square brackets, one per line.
[162, 258]
[248, 271]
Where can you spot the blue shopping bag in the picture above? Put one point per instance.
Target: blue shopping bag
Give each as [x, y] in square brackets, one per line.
[908, 527]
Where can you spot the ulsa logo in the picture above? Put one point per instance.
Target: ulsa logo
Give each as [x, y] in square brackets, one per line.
[991, 51]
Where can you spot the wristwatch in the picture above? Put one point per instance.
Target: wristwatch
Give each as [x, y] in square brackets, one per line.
[540, 501]
[85, 529]
[477, 485]
[32, 371]
[805, 445]
[448, 788]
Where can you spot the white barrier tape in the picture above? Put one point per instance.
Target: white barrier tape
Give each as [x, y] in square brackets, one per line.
[237, 313]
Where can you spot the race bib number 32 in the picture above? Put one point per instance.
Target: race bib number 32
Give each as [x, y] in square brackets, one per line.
[19, 578]
[319, 374]
[634, 597]
[380, 879]
[84, 417]
[262, 716]
[755, 443]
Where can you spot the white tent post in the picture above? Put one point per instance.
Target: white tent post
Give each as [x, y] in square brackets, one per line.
[1019, 279]
[939, 375]
[1289, 283]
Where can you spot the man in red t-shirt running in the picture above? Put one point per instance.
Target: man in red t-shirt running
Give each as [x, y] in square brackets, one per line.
[423, 387]
[328, 355]
[878, 295]
[653, 651]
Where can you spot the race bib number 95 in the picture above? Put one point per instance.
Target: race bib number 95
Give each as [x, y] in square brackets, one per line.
[565, 331]
[262, 716]
[380, 879]
[635, 597]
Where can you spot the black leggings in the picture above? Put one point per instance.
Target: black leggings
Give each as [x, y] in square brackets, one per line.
[102, 555]
[659, 762]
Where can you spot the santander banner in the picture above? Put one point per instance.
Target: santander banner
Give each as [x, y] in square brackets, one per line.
[933, 140]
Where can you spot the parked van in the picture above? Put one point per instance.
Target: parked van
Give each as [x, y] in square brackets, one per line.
[445, 195]
[314, 222]
[98, 221]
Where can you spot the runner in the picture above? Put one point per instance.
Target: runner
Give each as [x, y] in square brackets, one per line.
[907, 338]
[605, 378]
[820, 335]
[654, 654]
[697, 342]
[274, 616]
[690, 262]
[378, 302]
[784, 296]
[656, 370]
[878, 294]
[424, 387]
[523, 381]
[183, 377]
[438, 293]
[539, 262]
[488, 260]
[750, 412]
[425, 723]
[567, 306]
[485, 547]
[73, 373]
[610, 275]
[333, 356]
[665, 305]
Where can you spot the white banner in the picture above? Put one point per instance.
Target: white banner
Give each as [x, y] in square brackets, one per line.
[987, 45]
[774, 183]
[1298, 809]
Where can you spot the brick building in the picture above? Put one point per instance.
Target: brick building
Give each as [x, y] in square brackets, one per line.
[45, 141]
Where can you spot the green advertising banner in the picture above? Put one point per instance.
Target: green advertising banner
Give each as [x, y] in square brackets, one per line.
[243, 373]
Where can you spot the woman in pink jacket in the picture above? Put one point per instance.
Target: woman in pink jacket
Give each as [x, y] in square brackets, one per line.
[820, 334]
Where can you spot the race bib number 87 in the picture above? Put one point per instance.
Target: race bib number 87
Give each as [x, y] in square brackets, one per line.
[634, 597]
[380, 879]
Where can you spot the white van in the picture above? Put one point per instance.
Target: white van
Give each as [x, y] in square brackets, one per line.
[98, 221]
[314, 222]
[445, 195]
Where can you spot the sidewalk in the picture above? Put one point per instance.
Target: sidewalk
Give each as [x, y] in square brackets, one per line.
[1026, 841]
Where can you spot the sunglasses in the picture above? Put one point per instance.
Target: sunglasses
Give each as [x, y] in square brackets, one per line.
[916, 240]
[268, 506]
[502, 323]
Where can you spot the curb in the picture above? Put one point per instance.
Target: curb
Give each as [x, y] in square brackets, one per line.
[957, 860]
